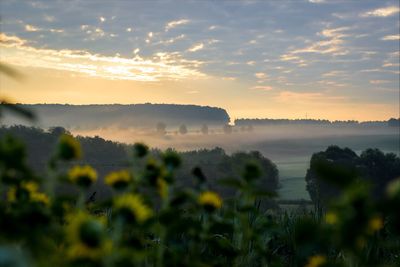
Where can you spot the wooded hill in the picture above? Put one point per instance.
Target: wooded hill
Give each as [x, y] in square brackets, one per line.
[122, 116]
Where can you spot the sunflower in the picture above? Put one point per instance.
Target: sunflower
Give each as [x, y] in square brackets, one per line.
[68, 148]
[29, 191]
[118, 179]
[86, 236]
[162, 188]
[375, 224]
[82, 175]
[210, 200]
[132, 207]
[316, 261]
[331, 218]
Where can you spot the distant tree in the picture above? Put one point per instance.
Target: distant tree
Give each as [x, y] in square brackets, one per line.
[58, 130]
[204, 129]
[379, 168]
[394, 122]
[331, 169]
[183, 129]
[161, 128]
[227, 129]
[318, 186]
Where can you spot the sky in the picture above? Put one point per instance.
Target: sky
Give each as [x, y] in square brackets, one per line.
[327, 59]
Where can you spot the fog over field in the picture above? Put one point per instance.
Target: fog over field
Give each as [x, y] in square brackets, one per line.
[289, 146]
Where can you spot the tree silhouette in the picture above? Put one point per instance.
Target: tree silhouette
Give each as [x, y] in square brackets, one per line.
[161, 128]
[336, 167]
[204, 129]
[182, 129]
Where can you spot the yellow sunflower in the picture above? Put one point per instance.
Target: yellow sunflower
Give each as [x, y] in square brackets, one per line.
[132, 207]
[69, 148]
[210, 200]
[316, 261]
[118, 179]
[82, 175]
[30, 190]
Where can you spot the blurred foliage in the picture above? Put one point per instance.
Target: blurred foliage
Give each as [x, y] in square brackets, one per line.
[152, 221]
[335, 169]
[7, 105]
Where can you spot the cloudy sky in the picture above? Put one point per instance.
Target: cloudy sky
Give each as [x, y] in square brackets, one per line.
[331, 59]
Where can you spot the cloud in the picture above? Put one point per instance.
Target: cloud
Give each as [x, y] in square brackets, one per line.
[173, 24]
[317, 1]
[381, 70]
[331, 45]
[162, 66]
[331, 83]
[49, 18]
[95, 33]
[305, 97]
[31, 28]
[335, 32]
[213, 41]
[392, 60]
[289, 57]
[378, 81]
[260, 75]
[56, 30]
[11, 41]
[102, 19]
[334, 73]
[229, 78]
[382, 12]
[261, 88]
[171, 40]
[196, 47]
[395, 37]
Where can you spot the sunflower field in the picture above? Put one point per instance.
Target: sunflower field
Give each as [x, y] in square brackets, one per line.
[150, 221]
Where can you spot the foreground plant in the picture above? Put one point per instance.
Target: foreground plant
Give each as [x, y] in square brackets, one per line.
[150, 221]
